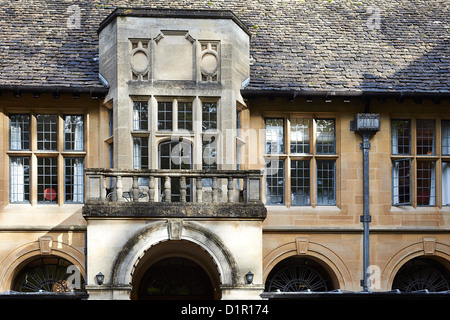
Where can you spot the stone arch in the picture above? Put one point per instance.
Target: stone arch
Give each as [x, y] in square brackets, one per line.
[328, 259]
[19, 258]
[439, 251]
[174, 229]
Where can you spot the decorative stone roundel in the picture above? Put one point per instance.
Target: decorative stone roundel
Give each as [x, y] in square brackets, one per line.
[209, 63]
[139, 61]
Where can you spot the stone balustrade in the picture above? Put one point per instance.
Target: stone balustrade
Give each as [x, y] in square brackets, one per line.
[119, 192]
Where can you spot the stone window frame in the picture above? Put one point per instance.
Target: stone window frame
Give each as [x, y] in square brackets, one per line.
[313, 156]
[33, 154]
[438, 157]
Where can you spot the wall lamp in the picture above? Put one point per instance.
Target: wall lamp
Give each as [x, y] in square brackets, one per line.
[249, 277]
[100, 278]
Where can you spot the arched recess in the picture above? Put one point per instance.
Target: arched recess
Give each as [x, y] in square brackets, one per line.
[126, 264]
[168, 256]
[328, 259]
[440, 253]
[20, 257]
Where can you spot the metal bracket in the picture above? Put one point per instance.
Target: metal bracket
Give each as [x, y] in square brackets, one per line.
[365, 218]
[364, 145]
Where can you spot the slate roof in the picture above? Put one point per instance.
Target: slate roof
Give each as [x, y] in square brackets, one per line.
[296, 45]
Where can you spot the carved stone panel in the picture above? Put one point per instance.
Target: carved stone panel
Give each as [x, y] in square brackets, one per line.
[209, 61]
[140, 59]
[174, 56]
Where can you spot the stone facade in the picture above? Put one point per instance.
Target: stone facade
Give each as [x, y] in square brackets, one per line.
[271, 103]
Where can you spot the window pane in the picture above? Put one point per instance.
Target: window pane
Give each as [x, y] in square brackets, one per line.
[209, 116]
[19, 132]
[140, 156]
[426, 183]
[19, 179]
[165, 116]
[47, 180]
[185, 116]
[140, 153]
[300, 135]
[446, 137]
[140, 115]
[326, 191]
[74, 133]
[275, 182]
[209, 158]
[300, 183]
[175, 155]
[209, 154]
[401, 137]
[47, 131]
[74, 180]
[425, 137]
[325, 139]
[401, 182]
[274, 135]
[446, 183]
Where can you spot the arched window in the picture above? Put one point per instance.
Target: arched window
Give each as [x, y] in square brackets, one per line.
[48, 274]
[298, 274]
[422, 274]
[176, 155]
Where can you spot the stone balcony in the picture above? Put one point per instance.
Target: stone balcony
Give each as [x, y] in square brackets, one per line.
[147, 193]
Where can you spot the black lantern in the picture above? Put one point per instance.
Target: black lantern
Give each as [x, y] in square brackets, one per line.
[249, 277]
[100, 278]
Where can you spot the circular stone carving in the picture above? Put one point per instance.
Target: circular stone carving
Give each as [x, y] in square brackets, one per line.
[139, 61]
[209, 63]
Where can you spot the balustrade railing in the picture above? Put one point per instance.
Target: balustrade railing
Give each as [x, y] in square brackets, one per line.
[148, 185]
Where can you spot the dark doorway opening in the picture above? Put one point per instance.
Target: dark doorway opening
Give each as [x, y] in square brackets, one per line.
[175, 279]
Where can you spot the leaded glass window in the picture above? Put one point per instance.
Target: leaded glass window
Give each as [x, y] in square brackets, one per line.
[47, 178]
[300, 182]
[47, 132]
[299, 137]
[401, 182]
[19, 173]
[326, 182]
[140, 115]
[274, 135]
[73, 132]
[185, 116]
[401, 137]
[325, 136]
[74, 180]
[274, 182]
[425, 137]
[209, 116]
[426, 183]
[19, 132]
[164, 116]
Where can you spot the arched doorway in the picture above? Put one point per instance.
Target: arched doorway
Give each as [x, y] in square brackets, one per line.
[296, 274]
[48, 274]
[175, 278]
[176, 269]
[422, 274]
